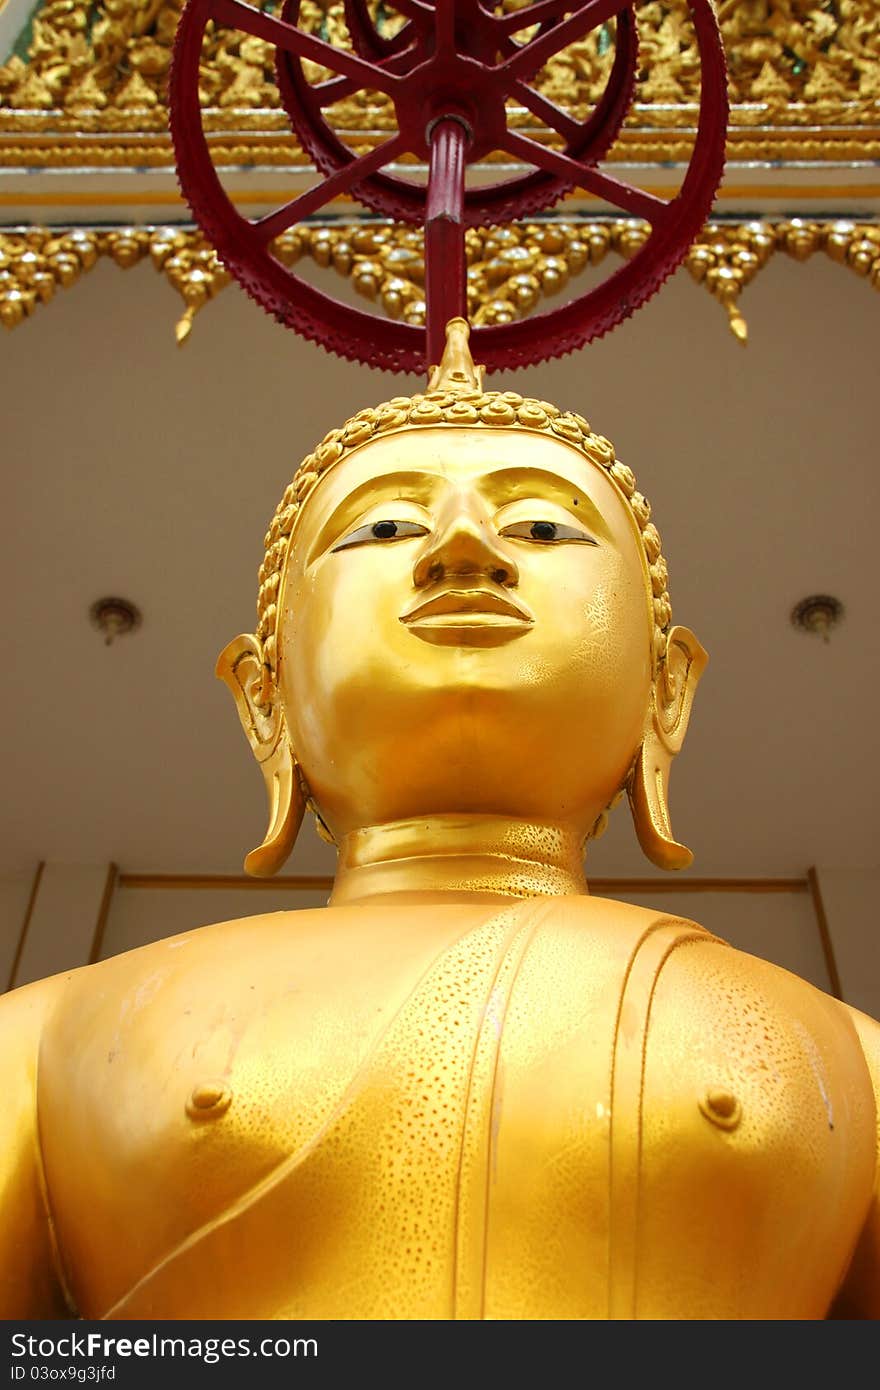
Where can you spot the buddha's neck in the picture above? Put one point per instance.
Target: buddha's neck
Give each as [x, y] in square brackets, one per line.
[458, 858]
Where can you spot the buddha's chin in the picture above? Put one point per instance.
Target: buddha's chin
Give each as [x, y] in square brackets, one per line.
[539, 746]
[546, 775]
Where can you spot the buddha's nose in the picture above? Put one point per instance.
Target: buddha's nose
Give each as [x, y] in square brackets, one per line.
[465, 543]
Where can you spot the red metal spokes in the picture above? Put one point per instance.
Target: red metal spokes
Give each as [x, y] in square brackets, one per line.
[409, 82]
[368, 42]
[468, 79]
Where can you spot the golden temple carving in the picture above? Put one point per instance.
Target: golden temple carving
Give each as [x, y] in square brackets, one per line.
[511, 270]
[796, 70]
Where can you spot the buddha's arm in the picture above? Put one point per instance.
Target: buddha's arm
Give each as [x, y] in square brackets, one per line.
[859, 1296]
[30, 1285]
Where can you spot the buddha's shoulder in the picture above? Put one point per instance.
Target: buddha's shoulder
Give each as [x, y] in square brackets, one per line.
[696, 983]
[693, 975]
[257, 946]
[23, 1015]
[707, 989]
[209, 959]
[224, 944]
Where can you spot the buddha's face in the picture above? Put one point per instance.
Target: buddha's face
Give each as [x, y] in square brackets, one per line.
[464, 627]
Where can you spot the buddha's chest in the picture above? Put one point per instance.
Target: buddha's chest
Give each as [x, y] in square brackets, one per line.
[526, 1132]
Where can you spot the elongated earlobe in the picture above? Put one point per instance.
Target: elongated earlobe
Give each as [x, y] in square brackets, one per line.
[665, 727]
[286, 807]
[242, 667]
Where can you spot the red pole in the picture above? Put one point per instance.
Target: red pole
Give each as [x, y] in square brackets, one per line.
[445, 267]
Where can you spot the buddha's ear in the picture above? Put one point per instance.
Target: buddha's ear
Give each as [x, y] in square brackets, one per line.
[665, 726]
[242, 666]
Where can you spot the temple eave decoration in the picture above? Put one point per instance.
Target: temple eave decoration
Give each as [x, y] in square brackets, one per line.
[84, 91]
[800, 75]
[512, 270]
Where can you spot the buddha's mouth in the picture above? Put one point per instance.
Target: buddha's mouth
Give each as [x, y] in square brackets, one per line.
[462, 614]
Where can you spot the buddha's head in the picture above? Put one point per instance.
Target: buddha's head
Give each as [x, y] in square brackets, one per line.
[463, 610]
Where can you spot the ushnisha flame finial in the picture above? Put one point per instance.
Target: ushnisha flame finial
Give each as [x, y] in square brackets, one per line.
[456, 371]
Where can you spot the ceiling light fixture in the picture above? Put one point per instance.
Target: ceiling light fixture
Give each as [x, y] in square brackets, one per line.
[114, 617]
[818, 614]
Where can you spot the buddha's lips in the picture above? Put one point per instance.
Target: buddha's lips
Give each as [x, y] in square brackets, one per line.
[469, 604]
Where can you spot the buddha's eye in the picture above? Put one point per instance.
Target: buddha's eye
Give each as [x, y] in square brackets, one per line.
[381, 531]
[547, 532]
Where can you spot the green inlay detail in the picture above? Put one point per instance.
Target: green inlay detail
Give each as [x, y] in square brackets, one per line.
[21, 47]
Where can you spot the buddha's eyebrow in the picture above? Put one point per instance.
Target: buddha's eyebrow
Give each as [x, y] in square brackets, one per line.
[499, 486]
[410, 484]
[504, 485]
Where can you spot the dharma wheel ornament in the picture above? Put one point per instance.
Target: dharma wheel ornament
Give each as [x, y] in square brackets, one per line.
[451, 72]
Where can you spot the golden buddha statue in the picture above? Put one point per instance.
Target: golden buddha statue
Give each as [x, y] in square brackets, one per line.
[465, 1089]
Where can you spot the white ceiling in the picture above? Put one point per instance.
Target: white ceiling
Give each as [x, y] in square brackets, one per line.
[137, 469]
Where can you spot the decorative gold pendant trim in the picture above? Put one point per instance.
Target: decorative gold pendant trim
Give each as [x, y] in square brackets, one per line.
[511, 270]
